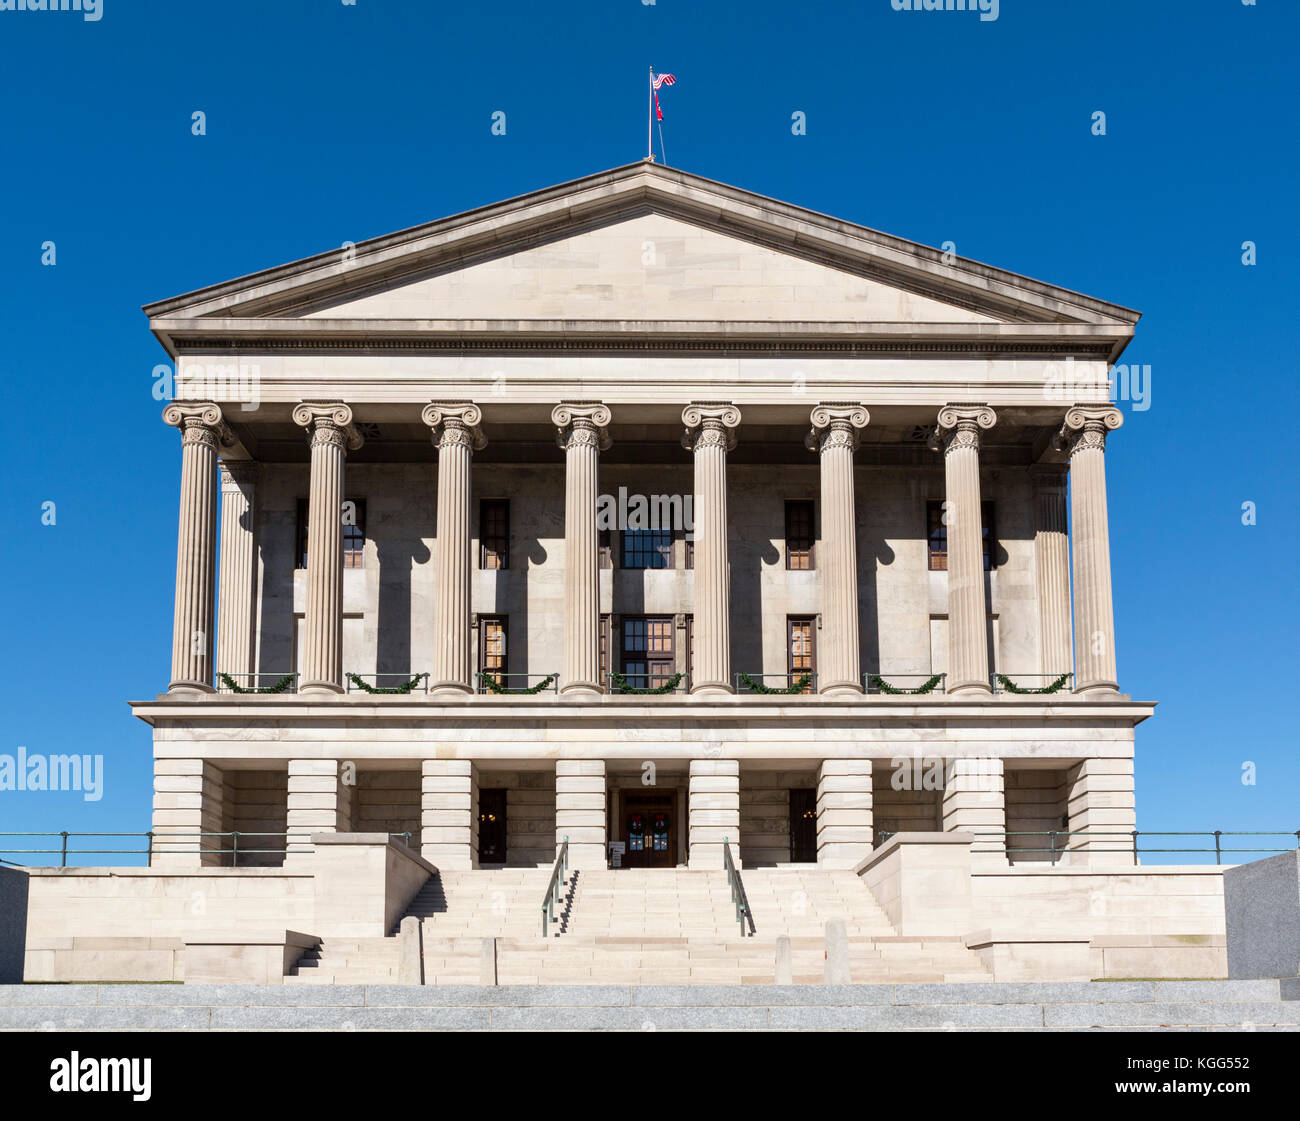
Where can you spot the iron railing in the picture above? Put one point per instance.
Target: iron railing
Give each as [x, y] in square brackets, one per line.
[1030, 690]
[745, 682]
[906, 684]
[552, 899]
[261, 684]
[1056, 843]
[388, 683]
[738, 897]
[550, 683]
[646, 684]
[167, 843]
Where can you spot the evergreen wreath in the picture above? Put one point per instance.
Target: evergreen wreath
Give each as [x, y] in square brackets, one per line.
[1011, 687]
[758, 687]
[396, 690]
[896, 691]
[492, 685]
[280, 686]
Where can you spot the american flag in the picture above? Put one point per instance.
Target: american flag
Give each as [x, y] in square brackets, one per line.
[661, 80]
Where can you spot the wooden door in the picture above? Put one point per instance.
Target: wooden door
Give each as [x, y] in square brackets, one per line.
[649, 830]
[803, 826]
[491, 825]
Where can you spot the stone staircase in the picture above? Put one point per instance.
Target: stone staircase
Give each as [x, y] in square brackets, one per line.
[644, 926]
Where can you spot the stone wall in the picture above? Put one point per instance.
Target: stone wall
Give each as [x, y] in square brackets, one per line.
[765, 813]
[255, 802]
[387, 801]
[1036, 801]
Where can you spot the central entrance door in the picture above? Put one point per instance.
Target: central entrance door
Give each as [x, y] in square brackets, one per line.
[491, 825]
[649, 829]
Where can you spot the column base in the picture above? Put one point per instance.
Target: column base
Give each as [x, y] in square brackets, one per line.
[320, 687]
[582, 688]
[1091, 687]
[840, 689]
[969, 688]
[714, 687]
[451, 687]
[190, 687]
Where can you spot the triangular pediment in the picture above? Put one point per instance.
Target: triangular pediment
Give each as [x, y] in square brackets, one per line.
[639, 244]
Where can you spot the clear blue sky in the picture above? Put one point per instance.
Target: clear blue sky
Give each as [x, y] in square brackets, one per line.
[329, 122]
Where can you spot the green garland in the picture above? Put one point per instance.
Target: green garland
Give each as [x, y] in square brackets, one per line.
[396, 690]
[893, 690]
[758, 687]
[280, 686]
[1011, 687]
[494, 686]
[621, 684]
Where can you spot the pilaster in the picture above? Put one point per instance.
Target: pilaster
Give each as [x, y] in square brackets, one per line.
[448, 830]
[580, 799]
[714, 811]
[238, 573]
[845, 828]
[1052, 568]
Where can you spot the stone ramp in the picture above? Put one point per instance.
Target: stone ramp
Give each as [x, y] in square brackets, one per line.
[1077, 1006]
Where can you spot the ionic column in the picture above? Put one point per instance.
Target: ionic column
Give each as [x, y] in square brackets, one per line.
[583, 434]
[710, 434]
[238, 574]
[580, 811]
[202, 429]
[332, 436]
[958, 433]
[1084, 435]
[714, 811]
[456, 432]
[834, 435]
[1052, 568]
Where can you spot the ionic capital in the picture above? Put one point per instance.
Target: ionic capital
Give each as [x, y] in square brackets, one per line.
[455, 424]
[959, 427]
[710, 424]
[835, 425]
[1085, 427]
[581, 423]
[200, 422]
[328, 422]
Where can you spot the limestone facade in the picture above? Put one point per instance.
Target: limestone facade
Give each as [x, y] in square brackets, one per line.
[868, 453]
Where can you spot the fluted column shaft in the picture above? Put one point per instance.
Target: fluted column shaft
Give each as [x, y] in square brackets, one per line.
[710, 435]
[834, 434]
[968, 659]
[455, 431]
[201, 430]
[238, 574]
[331, 435]
[1052, 569]
[582, 434]
[1084, 433]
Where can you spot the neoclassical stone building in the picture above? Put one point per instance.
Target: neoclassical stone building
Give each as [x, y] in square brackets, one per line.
[659, 513]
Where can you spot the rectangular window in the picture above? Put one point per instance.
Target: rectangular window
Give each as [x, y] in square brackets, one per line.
[646, 548]
[799, 534]
[801, 651]
[494, 533]
[493, 654]
[937, 534]
[648, 659]
[353, 516]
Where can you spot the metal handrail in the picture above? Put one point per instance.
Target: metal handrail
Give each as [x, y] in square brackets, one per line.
[552, 680]
[997, 688]
[1130, 839]
[222, 687]
[890, 679]
[552, 899]
[682, 684]
[743, 914]
[402, 678]
[790, 679]
[169, 841]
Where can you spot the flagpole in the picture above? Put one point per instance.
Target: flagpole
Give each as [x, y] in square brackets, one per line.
[649, 120]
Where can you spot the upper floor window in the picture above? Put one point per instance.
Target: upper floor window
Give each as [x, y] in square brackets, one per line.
[648, 655]
[494, 533]
[801, 650]
[799, 534]
[937, 534]
[353, 516]
[493, 653]
[646, 548]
